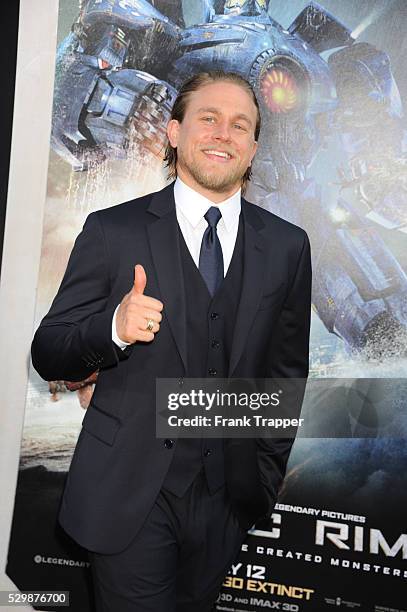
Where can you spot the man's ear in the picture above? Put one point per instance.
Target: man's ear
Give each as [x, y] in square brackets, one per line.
[254, 151]
[172, 132]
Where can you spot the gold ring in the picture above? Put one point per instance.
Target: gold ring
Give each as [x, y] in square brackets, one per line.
[150, 325]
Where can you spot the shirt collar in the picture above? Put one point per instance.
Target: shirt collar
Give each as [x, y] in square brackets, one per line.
[194, 206]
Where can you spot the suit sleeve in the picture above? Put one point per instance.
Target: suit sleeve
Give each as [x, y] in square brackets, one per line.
[288, 359]
[75, 338]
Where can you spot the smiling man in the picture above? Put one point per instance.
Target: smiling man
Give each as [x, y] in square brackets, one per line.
[192, 281]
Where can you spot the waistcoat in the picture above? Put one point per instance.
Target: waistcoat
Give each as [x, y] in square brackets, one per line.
[210, 329]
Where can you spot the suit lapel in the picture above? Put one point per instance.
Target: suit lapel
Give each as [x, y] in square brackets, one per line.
[252, 282]
[163, 236]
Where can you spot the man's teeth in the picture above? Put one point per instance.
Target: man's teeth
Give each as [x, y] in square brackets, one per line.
[219, 154]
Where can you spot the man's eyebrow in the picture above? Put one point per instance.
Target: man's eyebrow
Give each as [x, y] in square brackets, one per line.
[211, 109]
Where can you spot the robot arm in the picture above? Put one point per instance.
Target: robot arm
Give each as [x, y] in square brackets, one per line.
[104, 84]
[97, 115]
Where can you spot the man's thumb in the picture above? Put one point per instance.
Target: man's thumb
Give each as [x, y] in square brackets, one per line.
[140, 279]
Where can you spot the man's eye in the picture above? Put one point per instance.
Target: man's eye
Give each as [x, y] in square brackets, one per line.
[209, 119]
[239, 127]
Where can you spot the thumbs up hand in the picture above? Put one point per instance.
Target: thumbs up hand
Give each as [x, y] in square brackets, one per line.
[138, 317]
[140, 279]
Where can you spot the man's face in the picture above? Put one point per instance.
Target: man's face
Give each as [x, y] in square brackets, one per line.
[215, 140]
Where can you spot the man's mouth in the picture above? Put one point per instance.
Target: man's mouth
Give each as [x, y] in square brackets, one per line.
[220, 155]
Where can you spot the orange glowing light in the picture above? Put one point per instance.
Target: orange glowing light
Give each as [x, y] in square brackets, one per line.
[279, 90]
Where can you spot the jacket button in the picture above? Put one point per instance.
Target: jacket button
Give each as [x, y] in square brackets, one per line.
[215, 344]
[168, 443]
[212, 372]
[214, 316]
[207, 452]
[180, 382]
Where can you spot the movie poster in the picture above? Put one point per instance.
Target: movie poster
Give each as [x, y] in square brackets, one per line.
[332, 87]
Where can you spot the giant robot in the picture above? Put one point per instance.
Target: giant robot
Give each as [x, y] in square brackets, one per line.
[118, 72]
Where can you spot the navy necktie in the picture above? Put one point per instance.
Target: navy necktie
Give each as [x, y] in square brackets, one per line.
[211, 257]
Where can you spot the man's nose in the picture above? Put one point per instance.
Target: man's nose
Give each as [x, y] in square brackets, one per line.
[223, 131]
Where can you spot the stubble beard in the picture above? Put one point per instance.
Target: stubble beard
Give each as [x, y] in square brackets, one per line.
[219, 183]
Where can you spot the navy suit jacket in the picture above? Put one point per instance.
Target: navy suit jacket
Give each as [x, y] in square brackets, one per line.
[119, 464]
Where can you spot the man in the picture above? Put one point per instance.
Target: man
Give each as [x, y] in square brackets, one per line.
[220, 288]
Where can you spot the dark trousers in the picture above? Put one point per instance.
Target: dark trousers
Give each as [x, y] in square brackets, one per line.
[179, 558]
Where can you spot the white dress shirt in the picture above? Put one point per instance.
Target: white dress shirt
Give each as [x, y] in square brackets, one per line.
[190, 208]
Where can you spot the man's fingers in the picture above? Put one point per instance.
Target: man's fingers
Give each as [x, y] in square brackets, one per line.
[152, 314]
[140, 279]
[146, 301]
[138, 328]
[149, 324]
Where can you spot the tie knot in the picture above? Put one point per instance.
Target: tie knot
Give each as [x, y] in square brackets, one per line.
[212, 216]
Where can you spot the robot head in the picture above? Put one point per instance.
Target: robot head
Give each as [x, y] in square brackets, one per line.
[245, 7]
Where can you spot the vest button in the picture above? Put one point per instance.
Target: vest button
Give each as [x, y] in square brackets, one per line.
[207, 452]
[214, 316]
[168, 443]
[212, 372]
[215, 344]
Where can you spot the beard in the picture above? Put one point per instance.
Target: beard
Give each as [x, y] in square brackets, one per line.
[218, 182]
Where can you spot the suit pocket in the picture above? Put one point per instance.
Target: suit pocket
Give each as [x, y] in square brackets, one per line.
[101, 425]
[269, 299]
